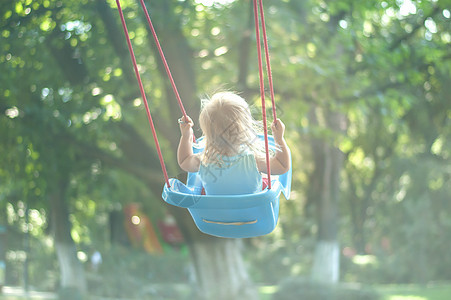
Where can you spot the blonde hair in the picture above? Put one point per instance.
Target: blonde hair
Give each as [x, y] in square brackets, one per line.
[228, 127]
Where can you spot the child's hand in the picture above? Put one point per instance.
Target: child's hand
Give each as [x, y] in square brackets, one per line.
[186, 126]
[278, 129]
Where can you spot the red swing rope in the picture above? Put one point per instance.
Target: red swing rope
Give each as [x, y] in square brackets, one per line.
[268, 62]
[143, 94]
[262, 84]
[163, 59]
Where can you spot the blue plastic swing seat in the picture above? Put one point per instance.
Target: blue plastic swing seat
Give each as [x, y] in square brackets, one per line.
[230, 216]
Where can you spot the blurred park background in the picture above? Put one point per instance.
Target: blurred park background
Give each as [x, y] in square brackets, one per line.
[364, 88]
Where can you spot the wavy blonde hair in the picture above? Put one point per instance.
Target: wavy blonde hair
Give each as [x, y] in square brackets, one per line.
[228, 128]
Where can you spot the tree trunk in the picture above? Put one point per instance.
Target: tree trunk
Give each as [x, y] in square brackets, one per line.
[328, 162]
[72, 273]
[220, 270]
[326, 262]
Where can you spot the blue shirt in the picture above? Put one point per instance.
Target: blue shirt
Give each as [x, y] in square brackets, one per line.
[234, 175]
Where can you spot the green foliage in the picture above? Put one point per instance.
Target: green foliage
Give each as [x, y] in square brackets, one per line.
[42, 266]
[127, 273]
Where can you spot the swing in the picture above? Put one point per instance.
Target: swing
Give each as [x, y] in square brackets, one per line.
[230, 216]
[235, 216]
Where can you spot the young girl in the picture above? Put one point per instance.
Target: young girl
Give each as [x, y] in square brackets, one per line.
[233, 158]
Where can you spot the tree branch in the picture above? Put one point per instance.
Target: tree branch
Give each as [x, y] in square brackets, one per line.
[117, 39]
[244, 52]
[144, 173]
[408, 35]
[71, 64]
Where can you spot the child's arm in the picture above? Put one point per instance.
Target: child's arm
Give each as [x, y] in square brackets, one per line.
[186, 159]
[280, 163]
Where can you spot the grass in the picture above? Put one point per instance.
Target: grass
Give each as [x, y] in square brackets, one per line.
[392, 292]
[388, 292]
[415, 292]
[267, 291]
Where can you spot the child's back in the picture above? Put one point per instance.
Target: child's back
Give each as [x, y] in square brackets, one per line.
[233, 156]
[234, 176]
